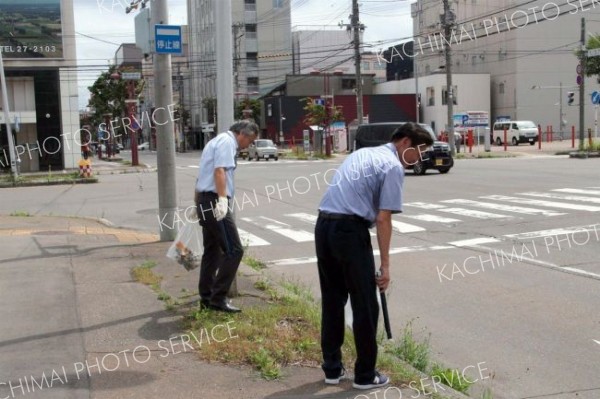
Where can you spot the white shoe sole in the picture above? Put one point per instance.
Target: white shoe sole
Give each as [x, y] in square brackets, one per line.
[369, 386]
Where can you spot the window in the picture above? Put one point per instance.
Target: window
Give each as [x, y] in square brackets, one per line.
[252, 81]
[277, 3]
[250, 5]
[366, 65]
[501, 88]
[430, 96]
[454, 95]
[250, 27]
[348, 84]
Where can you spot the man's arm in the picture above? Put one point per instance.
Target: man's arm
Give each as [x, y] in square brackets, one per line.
[220, 182]
[384, 236]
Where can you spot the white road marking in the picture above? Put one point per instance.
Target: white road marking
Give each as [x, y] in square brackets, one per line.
[555, 232]
[432, 218]
[598, 342]
[282, 229]
[572, 269]
[458, 211]
[548, 204]
[393, 251]
[474, 242]
[194, 166]
[563, 197]
[312, 219]
[402, 227]
[577, 191]
[505, 208]
[251, 240]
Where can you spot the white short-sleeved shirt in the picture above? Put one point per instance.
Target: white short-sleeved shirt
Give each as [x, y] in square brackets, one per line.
[220, 152]
[369, 180]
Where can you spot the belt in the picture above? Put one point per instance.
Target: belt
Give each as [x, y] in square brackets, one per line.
[341, 216]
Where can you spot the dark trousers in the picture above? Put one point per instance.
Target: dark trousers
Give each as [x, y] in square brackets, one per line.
[223, 250]
[347, 267]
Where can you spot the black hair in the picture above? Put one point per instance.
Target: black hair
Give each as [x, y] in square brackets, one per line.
[418, 135]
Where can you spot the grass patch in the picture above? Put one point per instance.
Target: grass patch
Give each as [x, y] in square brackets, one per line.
[451, 378]
[20, 214]
[253, 262]
[414, 353]
[146, 276]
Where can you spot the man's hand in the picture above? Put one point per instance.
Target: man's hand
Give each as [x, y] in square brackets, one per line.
[383, 278]
[221, 208]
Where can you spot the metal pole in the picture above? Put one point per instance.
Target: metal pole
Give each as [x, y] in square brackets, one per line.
[450, 97]
[224, 64]
[280, 122]
[11, 144]
[359, 89]
[165, 151]
[582, 88]
[560, 102]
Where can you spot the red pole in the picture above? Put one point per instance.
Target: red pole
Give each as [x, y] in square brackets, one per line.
[572, 136]
[505, 140]
[539, 137]
[470, 140]
[547, 134]
[551, 134]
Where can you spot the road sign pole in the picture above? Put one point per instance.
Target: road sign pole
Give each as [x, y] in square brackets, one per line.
[165, 151]
[11, 144]
[596, 121]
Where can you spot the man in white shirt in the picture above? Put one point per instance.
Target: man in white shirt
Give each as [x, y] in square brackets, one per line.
[215, 189]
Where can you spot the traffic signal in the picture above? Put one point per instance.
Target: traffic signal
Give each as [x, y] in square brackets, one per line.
[570, 98]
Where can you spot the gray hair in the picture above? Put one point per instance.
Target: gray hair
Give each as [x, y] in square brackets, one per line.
[245, 127]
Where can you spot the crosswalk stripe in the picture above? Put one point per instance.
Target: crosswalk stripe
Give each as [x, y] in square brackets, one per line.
[474, 242]
[251, 240]
[548, 204]
[505, 208]
[393, 251]
[578, 191]
[563, 197]
[281, 228]
[431, 218]
[402, 227]
[557, 232]
[458, 211]
[312, 219]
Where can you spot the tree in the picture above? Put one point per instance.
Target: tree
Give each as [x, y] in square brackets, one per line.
[322, 116]
[210, 103]
[107, 96]
[592, 66]
[251, 104]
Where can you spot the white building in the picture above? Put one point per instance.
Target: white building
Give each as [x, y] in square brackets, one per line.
[262, 49]
[42, 84]
[323, 49]
[472, 93]
[520, 46]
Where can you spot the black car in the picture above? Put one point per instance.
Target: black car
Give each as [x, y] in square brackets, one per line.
[436, 157]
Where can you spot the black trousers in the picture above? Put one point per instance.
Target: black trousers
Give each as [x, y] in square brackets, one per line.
[223, 250]
[347, 268]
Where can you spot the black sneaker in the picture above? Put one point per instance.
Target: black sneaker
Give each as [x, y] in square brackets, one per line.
[336, 380]
[379, 380]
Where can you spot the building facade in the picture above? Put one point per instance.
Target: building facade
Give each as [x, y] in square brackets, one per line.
[528, 51]
[262, 50]
[326, 49]
[40, 65]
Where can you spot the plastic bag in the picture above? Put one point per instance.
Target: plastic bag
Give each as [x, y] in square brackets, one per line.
[187, 248]
[348, 309]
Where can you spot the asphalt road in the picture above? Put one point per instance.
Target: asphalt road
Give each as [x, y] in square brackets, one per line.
[497, 260]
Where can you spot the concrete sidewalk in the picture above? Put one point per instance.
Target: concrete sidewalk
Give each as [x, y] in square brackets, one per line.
[72, 319]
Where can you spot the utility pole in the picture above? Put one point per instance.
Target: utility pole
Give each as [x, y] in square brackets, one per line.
[357, 27]
[11, 144]
[224, 64]
[447, 21]
[560, 106]
[236, 54]
[165, 152]
[582, 62]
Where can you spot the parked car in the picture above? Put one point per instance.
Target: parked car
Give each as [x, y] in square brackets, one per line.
[144, 146]
[516, 132]
[263, 149]
[436, 157]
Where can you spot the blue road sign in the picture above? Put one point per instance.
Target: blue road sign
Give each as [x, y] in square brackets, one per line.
[320, 101]
[596, 97]
[168, 39]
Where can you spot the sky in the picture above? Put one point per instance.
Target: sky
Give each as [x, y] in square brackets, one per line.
[102, 25]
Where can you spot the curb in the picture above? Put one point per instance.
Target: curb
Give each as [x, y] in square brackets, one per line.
[89, 180]
[584, 155]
